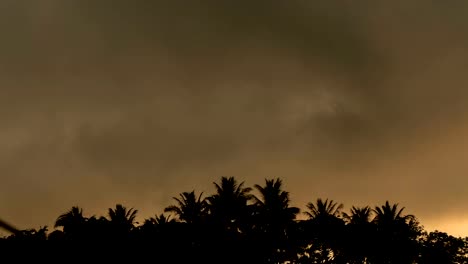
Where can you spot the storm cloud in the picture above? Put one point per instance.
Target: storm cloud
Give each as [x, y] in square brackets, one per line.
[135, 101]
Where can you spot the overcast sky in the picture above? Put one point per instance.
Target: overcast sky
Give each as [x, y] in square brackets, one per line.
[133, 102]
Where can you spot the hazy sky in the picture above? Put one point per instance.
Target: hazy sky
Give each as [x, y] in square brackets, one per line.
[133, 102]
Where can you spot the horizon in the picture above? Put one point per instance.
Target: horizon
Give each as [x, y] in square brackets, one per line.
[139, 220]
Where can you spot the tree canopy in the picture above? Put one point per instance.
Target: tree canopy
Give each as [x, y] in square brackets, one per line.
[239, 224]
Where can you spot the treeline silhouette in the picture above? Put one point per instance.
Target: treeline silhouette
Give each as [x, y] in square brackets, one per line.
[235, 226]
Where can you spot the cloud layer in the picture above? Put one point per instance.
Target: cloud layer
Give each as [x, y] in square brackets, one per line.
[111, 101]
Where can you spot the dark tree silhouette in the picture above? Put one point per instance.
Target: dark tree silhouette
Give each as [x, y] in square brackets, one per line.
[190, 208]
[397, 235]
[30, 235]
[121, 221]
[390, 215]
[229, 205]
[72, 222]
[441, 248]
[122, 216]
[229, 219]
[324, 209]
[359, 235]
[273, 206]
[325, 231]
[233, 226]
[359, 215]
[160, 220]
[158, 224]
[274, 219]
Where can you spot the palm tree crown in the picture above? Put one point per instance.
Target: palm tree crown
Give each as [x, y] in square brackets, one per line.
[229, 214]
[323, 209]
[161, 220]
[71, 220]
[387, 214]
[120, 215]
[274, 202]
[190, 208]
[230, 202]
[359, 215]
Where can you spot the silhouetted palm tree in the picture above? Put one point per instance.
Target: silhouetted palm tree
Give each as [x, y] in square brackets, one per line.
[190, 208]
[390, 214]
[325, 230]
[273, 203]
[158, 229]
[229, 219]
[397, 234]
[232, 226]
[359, 215]
[229, 204]
[72, 222]
[122, 220]
[161, 220]
[359, 235]
[274, 216]
[120, 214]
[99, 228]
[323, 209]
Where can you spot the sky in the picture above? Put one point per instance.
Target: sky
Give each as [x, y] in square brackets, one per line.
[133, 102]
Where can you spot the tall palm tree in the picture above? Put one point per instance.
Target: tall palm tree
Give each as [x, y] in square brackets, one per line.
[229, 219]
[360, 235]
[122, 218]
[229, 205]
[273, 204]
[397, 235]
[72, 221]
[325, 229]
[275, 217]
[190, 208]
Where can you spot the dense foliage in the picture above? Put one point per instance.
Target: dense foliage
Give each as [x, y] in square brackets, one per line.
[235, 226]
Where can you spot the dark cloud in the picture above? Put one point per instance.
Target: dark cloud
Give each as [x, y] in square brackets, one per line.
[117, 101]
